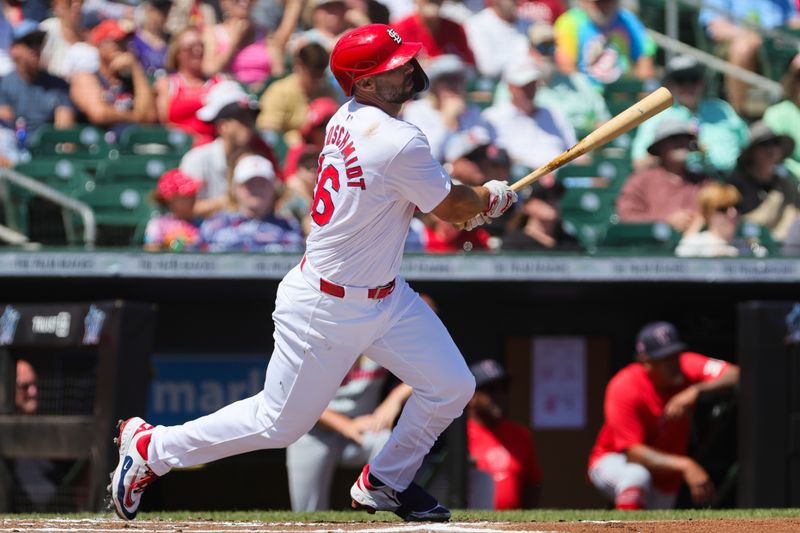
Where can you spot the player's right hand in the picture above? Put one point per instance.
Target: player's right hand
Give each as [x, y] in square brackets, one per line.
[478, 220]
[700, 485]
[501, 197]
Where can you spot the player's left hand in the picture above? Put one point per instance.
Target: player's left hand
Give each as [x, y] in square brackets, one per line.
[680, 404]
[501, 197]
[478, 220]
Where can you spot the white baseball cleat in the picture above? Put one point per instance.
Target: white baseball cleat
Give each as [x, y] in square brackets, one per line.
[132, 474]
[412, 505]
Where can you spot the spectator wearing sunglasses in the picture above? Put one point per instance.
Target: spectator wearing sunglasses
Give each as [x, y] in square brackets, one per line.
[784, 117]
[721, 132]
[769, 194]
[717, 205]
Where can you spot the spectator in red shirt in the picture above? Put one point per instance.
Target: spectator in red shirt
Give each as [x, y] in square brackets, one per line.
[668, 191]
[438, 35]
[501, 448]
[640, 457]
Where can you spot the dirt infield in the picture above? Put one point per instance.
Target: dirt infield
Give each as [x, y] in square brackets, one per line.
[94, 525]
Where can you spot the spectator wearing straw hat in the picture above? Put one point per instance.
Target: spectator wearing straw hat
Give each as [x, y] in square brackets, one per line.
[770, 195]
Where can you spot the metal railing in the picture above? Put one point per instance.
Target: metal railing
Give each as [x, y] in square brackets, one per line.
[56, 197]
[772, 87]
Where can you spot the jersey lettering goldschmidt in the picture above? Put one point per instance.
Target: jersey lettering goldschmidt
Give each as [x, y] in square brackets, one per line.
[373, 171]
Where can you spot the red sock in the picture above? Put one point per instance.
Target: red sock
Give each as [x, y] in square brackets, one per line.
[631, 499]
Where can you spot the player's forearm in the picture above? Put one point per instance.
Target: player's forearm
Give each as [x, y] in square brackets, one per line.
[726, 381]
[656, 461]
[462, 203]
[333, 420]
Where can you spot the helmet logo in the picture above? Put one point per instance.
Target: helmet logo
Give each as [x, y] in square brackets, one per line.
[394, 35]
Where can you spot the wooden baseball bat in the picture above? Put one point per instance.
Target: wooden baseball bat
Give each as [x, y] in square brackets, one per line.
[647, 107]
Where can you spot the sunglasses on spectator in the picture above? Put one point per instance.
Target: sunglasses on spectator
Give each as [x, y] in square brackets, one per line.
[770, 143]
[730, 211]
[685, 79]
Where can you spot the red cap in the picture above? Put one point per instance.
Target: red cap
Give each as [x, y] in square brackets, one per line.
[110, 30]
[175, 182]
[319, 112]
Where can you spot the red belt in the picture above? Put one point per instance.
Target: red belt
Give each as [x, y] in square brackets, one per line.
[333, 289]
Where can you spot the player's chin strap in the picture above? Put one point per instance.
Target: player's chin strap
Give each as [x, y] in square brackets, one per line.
[421, 81]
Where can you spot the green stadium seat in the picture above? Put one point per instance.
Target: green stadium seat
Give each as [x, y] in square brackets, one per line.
[599, 172]
[587, 213]
[758, 238]
[652, 238]
[135, 168]
[82, 142]
[155, 140]
[622, 94]
[120, 209]
[40, 219]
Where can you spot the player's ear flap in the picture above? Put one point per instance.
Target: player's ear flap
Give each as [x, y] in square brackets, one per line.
[421, 81]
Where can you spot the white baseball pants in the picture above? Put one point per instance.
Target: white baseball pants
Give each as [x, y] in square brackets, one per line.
[617, 478]
[317, 339]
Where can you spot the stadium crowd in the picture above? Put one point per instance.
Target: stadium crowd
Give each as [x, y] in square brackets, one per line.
[513, 84]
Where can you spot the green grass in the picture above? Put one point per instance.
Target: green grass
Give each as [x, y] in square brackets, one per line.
[543, 515]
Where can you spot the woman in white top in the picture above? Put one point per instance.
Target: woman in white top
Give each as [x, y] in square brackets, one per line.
[717, 204]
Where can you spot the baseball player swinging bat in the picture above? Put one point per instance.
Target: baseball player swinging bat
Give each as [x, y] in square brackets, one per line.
[647, 107]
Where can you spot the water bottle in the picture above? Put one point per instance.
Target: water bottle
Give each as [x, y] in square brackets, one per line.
[21, 133]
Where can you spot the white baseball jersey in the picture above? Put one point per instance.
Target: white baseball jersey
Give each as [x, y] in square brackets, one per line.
[374, 171]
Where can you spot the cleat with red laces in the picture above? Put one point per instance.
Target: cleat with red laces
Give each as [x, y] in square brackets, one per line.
[412, 505]
[132, 474]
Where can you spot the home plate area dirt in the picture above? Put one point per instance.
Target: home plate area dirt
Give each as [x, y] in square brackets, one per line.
[97, 525]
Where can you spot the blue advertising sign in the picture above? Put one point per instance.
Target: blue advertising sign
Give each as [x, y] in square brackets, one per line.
[186, 387]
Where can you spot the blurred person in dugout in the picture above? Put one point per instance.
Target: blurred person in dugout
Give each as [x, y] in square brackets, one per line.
[640, 457]
[734, 25]
[506, 474]
[668, 191]
[36, 480]
[770, 194]
[720, 130]
[718, 207]
[351, 431]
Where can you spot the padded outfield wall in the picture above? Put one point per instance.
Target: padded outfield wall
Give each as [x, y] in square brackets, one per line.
[562, 324]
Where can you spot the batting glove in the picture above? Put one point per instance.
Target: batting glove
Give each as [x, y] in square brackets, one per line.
[478, 220]
[501, 197]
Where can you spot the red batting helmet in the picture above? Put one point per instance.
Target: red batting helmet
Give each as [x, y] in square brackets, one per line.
[373, 49]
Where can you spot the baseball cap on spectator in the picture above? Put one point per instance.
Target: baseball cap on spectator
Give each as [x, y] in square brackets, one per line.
[761, 134]
[668, 128]
[175, 182]
[28, 33]
[659, 340]
[224, 100]
[465, 142]
[446, 65]
[251, 167]
[683, 68]
[487, 372]
[110, 30]
[522, 72]
[319, 112]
